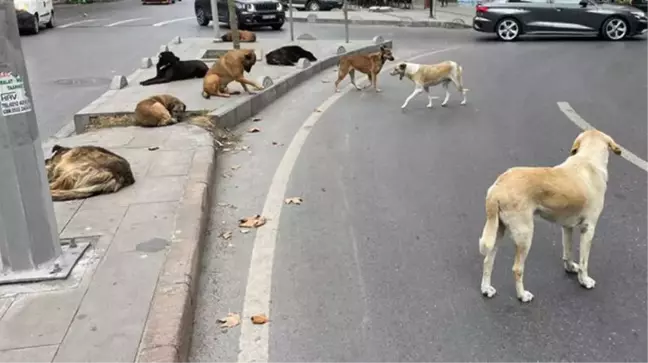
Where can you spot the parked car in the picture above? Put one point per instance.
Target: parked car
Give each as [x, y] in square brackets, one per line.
[315, 5]
[32, 15]
[511, 18]
[250, 13]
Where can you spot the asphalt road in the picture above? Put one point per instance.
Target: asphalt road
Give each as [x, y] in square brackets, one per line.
[71, 65]
[381, 261]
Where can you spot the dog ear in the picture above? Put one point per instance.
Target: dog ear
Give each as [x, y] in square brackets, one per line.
[575, 146]
[402, 66]
[382, 48]
[613, 146]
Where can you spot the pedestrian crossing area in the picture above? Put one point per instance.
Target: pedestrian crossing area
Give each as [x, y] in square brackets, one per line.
[127, 22]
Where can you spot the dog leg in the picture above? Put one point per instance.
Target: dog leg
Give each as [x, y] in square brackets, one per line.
[342, 72]
[430, 97]
[374, 79]
[416, 91]
[447, 94]
[243, 81]
[489, 260]
[568, 262]
[587, 233]
[523, 236]
[352, 75]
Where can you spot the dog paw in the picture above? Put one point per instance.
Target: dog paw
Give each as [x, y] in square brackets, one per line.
[587, 282]
[430, 105]
[488, 291]
[463, 103]
[444, 104]
[378, 90]
[571, 267]
[526, 297]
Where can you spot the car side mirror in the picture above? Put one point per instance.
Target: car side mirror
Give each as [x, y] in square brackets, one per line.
[583, 3]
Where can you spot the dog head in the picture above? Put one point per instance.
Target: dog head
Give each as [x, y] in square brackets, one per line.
[386, 54]
[249, 59]
[57, 153]
[595, 139]
[176, 107]
[399, 70]
[166, 59]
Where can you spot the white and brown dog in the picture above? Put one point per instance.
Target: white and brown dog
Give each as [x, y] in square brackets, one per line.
[570, 194]
[425, 76]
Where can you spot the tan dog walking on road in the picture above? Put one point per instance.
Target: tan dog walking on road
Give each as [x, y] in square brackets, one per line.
[370, 64]
[425, 76]
[571, 194]
[228, 68]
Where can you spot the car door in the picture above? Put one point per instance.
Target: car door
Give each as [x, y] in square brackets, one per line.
[535, 15]
[222, 11]
[572, 17]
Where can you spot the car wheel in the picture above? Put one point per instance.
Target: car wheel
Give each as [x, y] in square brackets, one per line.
[277, 26]
[35, 28]
[313, 5]
[615, 29]
[508, 29]
[201, 17]
[52, 22]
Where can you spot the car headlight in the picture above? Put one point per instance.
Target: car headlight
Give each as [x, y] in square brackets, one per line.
[240, 6]
[639, 14]
[250, 8]
[279, 7]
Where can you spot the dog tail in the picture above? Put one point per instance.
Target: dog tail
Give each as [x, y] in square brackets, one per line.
[460, 79]
[491, 227]
[84, 192]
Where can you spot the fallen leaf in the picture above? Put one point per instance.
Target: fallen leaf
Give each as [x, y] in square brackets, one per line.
[235, 167]
[252, 222]
[232, 320]
[256, 119]
[254, 129]
[153, 148]
[225, 235]
[318, 110]
[259, 319]
[294, 200]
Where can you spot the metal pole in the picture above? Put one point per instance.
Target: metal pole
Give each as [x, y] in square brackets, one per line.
[292, 30]
[215, 23]
[28, 233]
[233, 20]
[346, 19]
[432, 9]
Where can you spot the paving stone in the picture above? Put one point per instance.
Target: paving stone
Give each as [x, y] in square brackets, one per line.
[168, 163]
[38, 319]
[43, 353]
[139, 160]
[90, 221]
[146, 228]
[114, 310]
[145, 190]
[149, 137]
[5, 303]
[64, 212]
[188, 137]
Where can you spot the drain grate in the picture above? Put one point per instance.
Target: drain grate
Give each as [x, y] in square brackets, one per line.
[213, 53]
[82, 82]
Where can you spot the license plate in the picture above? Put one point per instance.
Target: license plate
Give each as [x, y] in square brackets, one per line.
[267, 16]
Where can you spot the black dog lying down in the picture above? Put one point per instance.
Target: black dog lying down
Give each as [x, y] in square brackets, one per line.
[288, 55]
[170, 68]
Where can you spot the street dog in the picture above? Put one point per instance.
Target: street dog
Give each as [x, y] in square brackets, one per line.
[570, 194]
[288, 55]
[230, 68]
[170, 68]
[85, 171]
[370, 64]
[244, 36]
[425, 76]
[159, 110]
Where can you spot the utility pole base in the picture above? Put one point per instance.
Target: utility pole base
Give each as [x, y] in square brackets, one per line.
[59, 269]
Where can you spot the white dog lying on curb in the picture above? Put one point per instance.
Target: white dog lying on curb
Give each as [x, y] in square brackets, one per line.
[425, 76]
[570, 194]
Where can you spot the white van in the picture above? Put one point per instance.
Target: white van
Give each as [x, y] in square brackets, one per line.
[34, 14]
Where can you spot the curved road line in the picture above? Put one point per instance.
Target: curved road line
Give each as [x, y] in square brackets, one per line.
[253, 341]
[584, 125]
[172, 21]
[77, 23]
[124, 21]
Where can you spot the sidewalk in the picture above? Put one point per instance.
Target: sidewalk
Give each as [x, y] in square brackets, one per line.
[131, 296]
[452, 16]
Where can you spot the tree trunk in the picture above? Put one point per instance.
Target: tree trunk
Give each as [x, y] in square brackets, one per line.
[233, 20]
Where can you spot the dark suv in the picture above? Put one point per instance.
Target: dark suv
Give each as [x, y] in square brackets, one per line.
[250, 13]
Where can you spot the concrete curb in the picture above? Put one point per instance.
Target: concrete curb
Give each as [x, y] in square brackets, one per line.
[167, 333]
[408, 23]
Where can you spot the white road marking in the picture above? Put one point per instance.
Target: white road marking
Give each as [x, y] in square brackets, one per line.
[78, 23]
[580, 122]
[173, 21]
[124, 21]
[253, 341]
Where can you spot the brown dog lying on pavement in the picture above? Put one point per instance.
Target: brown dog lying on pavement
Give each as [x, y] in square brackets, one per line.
[369, 64]
[570, 194]
[159, 110]
[228, 68]
[84, 171]
[244, 36]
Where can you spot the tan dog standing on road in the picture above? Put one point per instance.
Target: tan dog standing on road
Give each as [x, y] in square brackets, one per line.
[370, 64]
[425, 76]
[83, 171]
[228, 68]
[570, 194]
[159, 110]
